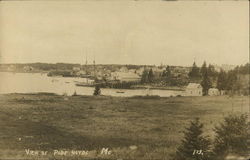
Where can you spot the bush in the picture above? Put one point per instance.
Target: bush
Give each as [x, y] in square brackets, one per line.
[97, 91]
[231, 137]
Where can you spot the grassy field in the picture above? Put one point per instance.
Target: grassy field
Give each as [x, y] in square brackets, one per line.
[132, 128]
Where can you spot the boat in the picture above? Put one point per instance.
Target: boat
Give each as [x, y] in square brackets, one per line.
[84, 84]
[85, 76]
[90, 78]
[120, 91]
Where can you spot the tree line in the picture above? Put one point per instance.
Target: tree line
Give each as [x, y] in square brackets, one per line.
[206, 75]
[233, 81]
[230, 81]
[166, 78]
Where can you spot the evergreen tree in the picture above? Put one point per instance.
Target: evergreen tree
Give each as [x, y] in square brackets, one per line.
[97, 90]
[231, 80]
[244, 69]
[150, 76]
[195, 72]
[193, 141]
[167, 75]
[206, 83]
[203, 69]
[144, 78]
[231, 137]
[163, 74]
[168, 71]
[211, 71]
[222, 80]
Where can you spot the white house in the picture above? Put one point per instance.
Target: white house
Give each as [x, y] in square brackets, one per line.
[123, 69]
[139, 71]
[28, 68]
[158, 69]
[76, 69]
[193, 89]
[213, 92]
[222, 92]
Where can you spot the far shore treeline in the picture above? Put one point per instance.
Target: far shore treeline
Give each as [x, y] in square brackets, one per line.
[63, 66]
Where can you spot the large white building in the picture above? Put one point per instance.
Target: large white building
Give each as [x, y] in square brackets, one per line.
[193, 89]
[125, 76]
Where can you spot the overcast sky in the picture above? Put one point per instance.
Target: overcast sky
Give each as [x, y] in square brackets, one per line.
[132, 32]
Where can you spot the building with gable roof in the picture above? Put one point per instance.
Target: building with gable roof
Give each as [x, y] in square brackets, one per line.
[193, 89]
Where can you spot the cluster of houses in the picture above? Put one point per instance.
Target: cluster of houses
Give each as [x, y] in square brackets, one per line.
[124, 74]
[195, 89]
[13, 68]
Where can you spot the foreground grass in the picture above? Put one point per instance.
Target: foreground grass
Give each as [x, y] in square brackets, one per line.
[154, 125]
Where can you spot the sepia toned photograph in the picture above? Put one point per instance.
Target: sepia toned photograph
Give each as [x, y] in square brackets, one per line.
[124, 80]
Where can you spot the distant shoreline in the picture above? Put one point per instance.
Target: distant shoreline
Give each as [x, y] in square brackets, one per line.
[43, 72]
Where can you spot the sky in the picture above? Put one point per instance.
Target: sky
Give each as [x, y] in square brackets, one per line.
[125, 32]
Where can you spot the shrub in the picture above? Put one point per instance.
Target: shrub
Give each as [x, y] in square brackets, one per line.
[231, 137]
[97, 90]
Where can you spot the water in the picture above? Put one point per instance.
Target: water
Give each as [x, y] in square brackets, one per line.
[38, 82]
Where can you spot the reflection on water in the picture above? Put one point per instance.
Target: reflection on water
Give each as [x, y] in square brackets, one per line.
[37, 82]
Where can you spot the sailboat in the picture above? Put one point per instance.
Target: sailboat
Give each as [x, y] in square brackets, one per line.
[89, 79]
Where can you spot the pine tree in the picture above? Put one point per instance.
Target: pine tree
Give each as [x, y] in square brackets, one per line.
[97, 90]
[231, 137]
[193, 141]
[222, 80]
[231, 80]
[144, 78]
[211, 71]
[206, 83]
[150, 76]
[168, 71]
[203, 69]
[167, 75]
[195, 72]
